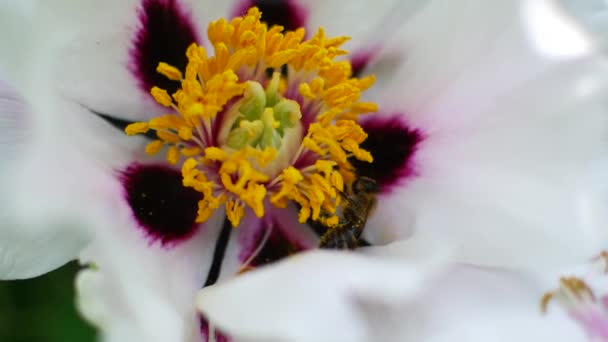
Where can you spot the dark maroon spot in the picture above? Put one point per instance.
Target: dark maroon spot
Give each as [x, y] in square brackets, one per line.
[286, 13]
[360, 60]
[162, 206]
[277, 246]
[392, 144]
[219, 336]
[164, 33]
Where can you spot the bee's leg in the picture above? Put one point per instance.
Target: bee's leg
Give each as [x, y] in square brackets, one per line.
[340, 237]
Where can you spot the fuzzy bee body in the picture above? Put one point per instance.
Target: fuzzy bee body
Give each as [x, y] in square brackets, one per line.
[358, 205]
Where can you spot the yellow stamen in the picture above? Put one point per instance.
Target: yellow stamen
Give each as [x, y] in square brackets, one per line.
[154, 147]
[572, 290]
[161, 96]
[169, 71]
[137, 128]
[234, 171]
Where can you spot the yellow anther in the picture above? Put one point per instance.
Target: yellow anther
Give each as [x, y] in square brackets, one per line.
[304, 214]
[266, 156]
[168, 137]
[364, 107]
[572, 291]
[189, 165]
[195, 110]
[292, 175]
[173, 155]
[306, 91]
[166, 122]
[234, 212]
[137, 128]
[190, 151]
[161, 96]
[254, 197]
[337, 181]
[325, 166]
[169, 71]
[215, 154]
[154, 147]
[185, 133]
[545, 300]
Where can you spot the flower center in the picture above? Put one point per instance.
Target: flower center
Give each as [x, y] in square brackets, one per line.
[238, 113]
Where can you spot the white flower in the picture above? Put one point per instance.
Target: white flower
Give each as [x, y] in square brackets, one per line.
[485, 132]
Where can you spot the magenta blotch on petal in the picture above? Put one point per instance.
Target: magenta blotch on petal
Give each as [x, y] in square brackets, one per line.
[287, 13]
[219, 336]
[263, 247]
[361, 59]
[392, 144]
[165, 31]
[164, 208]
[593, 319]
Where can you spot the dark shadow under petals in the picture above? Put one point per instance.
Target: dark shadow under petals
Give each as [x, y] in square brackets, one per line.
[287, 13]
[165, 31]
[218, 254]
[278, 245]
[392, 144]
[162, 206]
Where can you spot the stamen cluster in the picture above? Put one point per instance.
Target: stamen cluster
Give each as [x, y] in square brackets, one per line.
[231, 92]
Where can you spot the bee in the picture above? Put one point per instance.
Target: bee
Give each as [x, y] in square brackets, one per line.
[359, 203]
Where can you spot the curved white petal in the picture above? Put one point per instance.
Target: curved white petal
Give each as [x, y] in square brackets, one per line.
[138, 290]
[470, 304]
[325, 297]
[46, 200]
[511, 128]
[308, 297]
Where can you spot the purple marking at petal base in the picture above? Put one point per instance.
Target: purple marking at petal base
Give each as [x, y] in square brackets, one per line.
[593, 320]
[278, 245]
[360, 59]
[392, 144]
[165, 31]
[163, 207]
[287, 13]
[219, 336]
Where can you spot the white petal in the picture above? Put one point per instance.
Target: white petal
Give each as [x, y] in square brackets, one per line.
[469, 304]
[13, 122]
[367, 23]
[95, 62]
[307, 297]
[46, 200]
[142, 291]
[86, 56]
[510, 132]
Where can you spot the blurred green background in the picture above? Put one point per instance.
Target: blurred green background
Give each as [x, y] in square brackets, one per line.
[42, 309]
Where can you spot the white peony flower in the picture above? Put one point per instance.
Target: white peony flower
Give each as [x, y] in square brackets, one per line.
[489, 114]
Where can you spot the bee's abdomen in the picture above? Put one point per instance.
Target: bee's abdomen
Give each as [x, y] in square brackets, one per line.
[342, 237]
